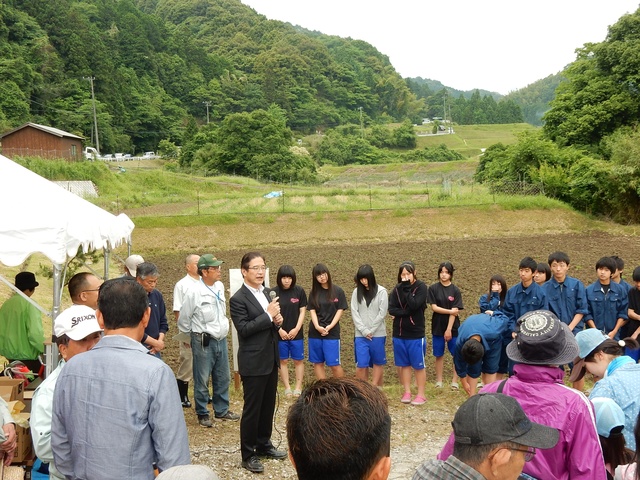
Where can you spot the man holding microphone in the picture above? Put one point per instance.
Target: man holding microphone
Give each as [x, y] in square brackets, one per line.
[256, 316]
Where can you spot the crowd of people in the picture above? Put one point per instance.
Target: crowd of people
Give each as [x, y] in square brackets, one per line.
[515, 351]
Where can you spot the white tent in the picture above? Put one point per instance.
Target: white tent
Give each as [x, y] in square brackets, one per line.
[40, 217]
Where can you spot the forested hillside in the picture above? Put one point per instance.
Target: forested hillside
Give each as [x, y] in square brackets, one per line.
[155, 63]
[534, 99]
[587, 153]
[466, 108]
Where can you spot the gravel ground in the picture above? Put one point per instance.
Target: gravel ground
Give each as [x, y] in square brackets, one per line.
[417, 434]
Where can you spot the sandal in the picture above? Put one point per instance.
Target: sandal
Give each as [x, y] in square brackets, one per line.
[297, 393]
[288, 392]
[455, 386]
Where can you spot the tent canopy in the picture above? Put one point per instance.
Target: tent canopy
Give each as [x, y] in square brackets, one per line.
[40, 217]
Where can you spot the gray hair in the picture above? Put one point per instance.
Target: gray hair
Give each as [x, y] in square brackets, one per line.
[147, 269]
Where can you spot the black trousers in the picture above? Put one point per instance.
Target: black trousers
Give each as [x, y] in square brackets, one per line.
[257, 414]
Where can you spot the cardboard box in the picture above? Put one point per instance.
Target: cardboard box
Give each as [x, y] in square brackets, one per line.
[11, 389]
[25, 445]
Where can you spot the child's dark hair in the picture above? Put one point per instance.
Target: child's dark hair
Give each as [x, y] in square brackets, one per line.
[619, 262]
[448, 266]
[615, 452]
[608, 263]
[636, 274]
[528, 262]
[558, 257]
[286, 271]
[636, 457]
[409, 267]
[543, 267]
[316, 288]
[368, 294]
[503, 283]
[472, 351]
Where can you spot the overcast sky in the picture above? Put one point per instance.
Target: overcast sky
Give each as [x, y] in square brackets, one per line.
[496, 45]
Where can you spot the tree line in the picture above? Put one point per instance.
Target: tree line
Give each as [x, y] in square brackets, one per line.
[587, 152]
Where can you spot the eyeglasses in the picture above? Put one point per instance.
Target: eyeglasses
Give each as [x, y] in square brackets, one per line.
[529, 453]
[258, 268]
[213, 268]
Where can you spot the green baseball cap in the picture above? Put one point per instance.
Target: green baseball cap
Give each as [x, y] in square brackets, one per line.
[208, 260]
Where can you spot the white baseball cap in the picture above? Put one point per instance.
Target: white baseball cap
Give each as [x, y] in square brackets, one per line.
[76, 322]
[132, 263]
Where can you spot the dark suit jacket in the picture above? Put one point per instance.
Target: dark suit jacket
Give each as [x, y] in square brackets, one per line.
[257, 335]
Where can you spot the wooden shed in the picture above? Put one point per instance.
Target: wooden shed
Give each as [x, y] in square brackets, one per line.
[36, 140]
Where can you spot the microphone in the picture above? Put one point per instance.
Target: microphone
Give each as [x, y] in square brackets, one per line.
[272, 294]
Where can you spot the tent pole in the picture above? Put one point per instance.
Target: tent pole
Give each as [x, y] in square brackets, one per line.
[107, 259]
[51, 350]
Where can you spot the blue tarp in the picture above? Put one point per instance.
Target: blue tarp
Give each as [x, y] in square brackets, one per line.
[274, 194]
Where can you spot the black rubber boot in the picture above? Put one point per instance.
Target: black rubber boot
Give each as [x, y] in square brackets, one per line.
[183, 390]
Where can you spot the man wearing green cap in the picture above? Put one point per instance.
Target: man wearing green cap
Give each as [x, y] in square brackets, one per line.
[203, 315]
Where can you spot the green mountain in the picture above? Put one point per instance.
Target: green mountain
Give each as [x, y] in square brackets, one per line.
[156, 63]
[426, 87]
[466, 108]
[534, 99]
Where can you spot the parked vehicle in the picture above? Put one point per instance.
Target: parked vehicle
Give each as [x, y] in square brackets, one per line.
[91, 153]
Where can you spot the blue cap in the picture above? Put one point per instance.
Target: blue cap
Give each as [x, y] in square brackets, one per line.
[588, 340]
[609, 417]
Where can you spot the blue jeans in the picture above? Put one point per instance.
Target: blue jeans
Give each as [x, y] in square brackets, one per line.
[211, 361]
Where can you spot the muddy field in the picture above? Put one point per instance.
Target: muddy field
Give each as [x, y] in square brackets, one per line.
[417, 432]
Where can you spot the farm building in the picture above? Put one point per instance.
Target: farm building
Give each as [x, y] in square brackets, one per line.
[36, 140]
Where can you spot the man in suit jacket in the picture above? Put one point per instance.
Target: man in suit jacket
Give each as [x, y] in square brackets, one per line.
[257, 319]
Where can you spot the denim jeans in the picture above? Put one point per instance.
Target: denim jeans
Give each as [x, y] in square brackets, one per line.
[211, 361]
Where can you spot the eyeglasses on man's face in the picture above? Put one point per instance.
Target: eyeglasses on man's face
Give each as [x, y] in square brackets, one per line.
[258, 268]
[529, 452]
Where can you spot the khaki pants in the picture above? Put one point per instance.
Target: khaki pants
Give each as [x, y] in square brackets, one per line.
[185, 364]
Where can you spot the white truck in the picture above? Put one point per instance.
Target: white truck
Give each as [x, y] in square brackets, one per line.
[91, 153]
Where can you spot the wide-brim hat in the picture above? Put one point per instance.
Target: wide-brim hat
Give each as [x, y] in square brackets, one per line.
[542, 339]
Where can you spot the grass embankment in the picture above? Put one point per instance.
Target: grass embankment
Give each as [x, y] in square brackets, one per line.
[469, 140]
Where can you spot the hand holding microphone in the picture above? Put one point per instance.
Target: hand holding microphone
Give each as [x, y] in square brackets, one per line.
[274, 309]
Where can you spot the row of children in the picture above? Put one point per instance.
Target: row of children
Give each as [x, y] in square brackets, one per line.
[609, 305]
[606, 305]
[370, 304]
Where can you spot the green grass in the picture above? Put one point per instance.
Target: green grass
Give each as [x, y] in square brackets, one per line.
[147, 192]
[144, 193]
[470, 139]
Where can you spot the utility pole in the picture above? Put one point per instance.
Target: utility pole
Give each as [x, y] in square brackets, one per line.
[207, 104]
[95, 118]
[361, 123]
[444, 108]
